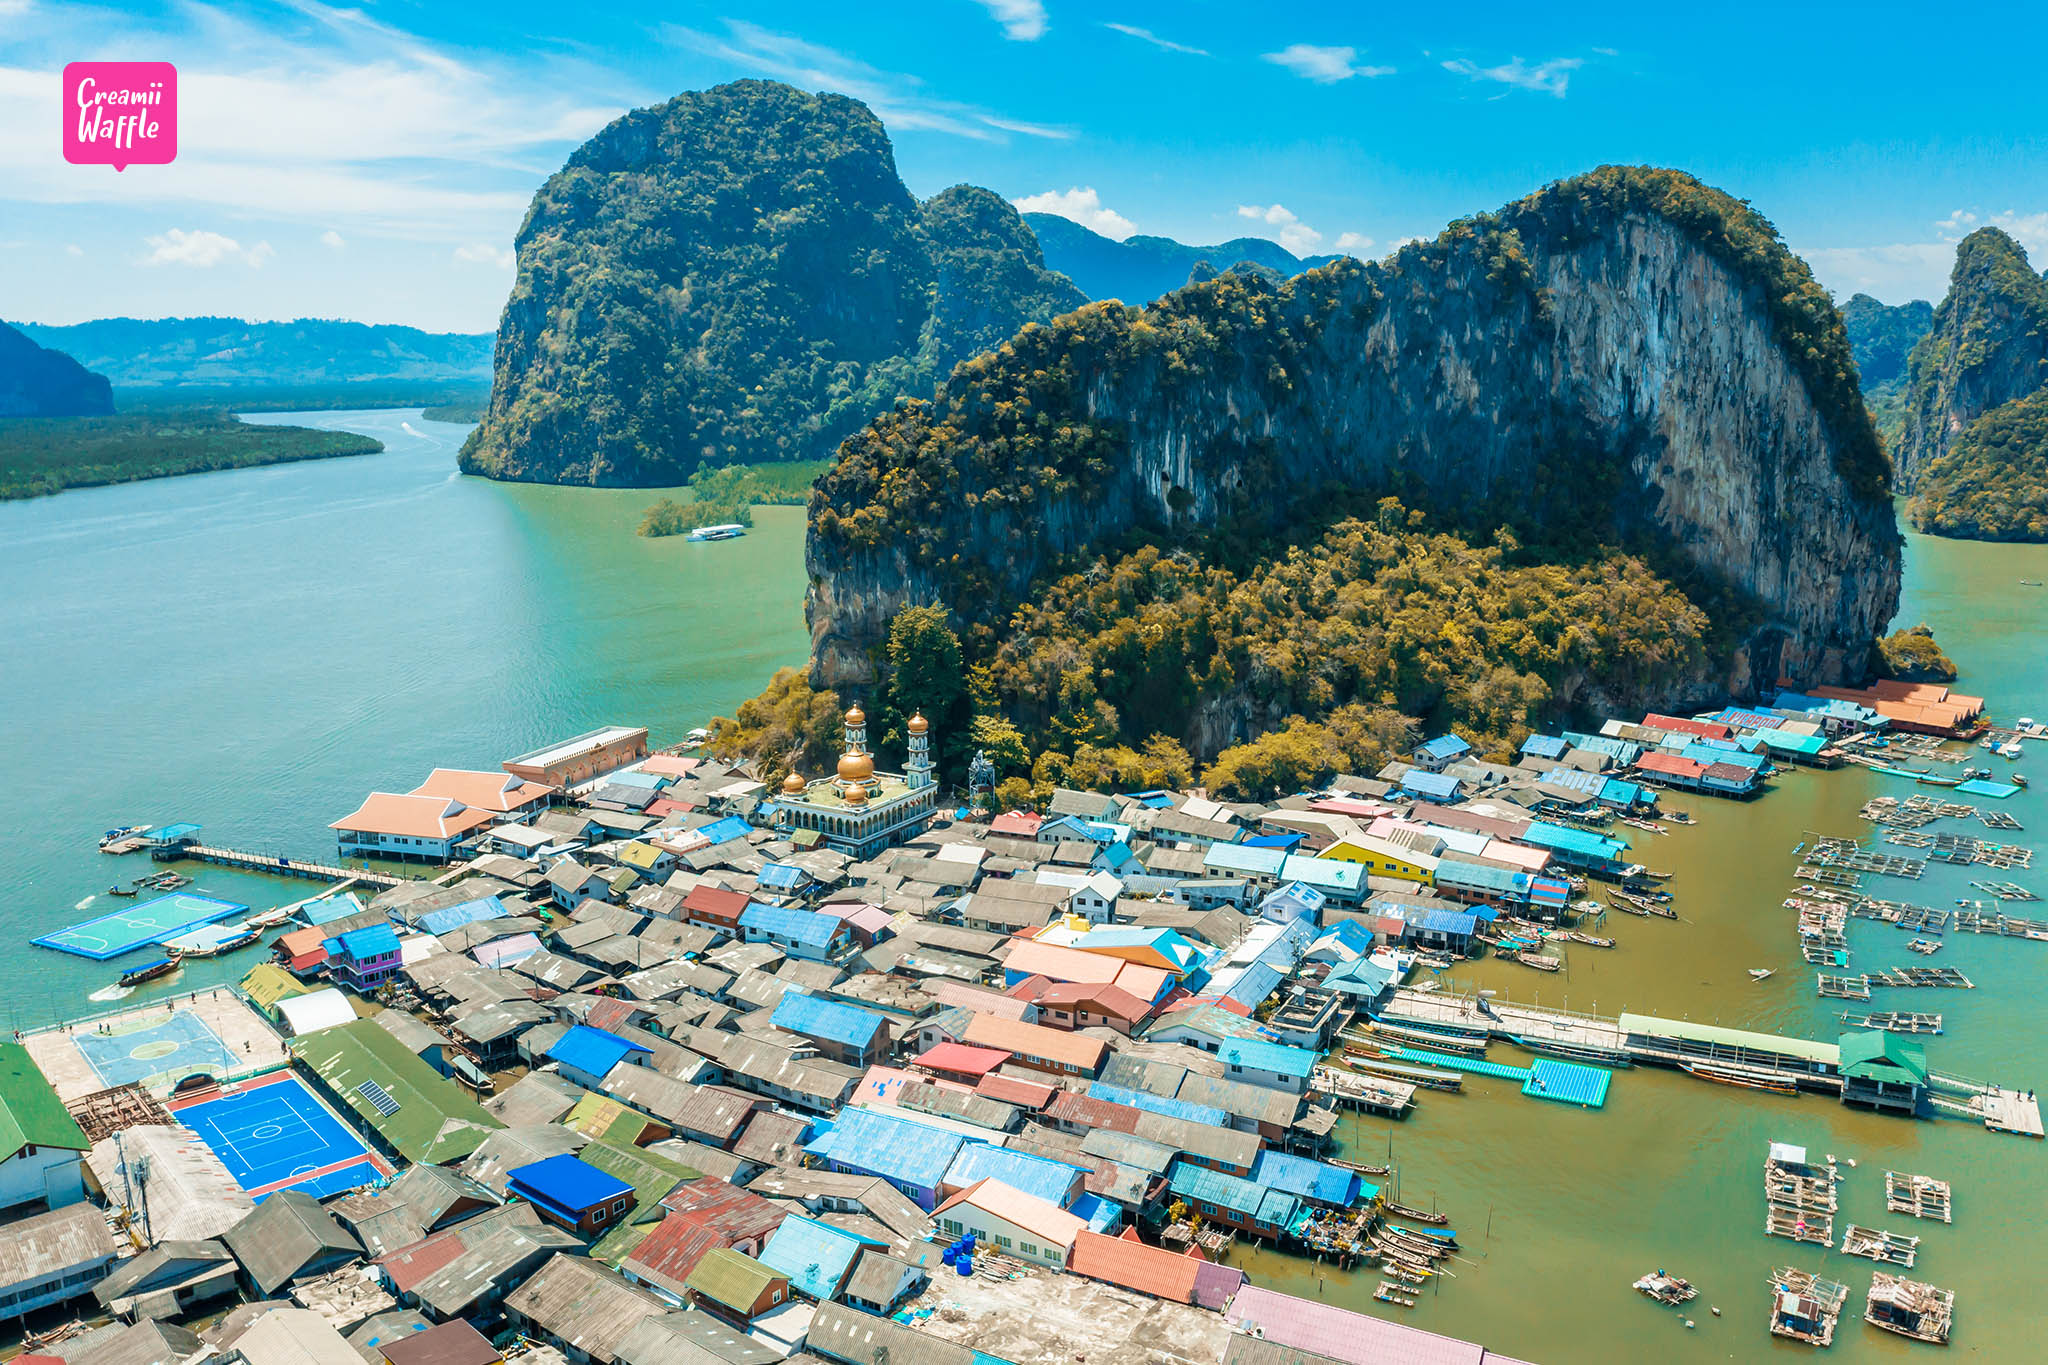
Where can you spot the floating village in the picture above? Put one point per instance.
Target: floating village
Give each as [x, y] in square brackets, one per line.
[620, 1054]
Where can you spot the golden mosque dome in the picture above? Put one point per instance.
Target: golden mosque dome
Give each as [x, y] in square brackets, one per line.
[856, 716]
[794, 784]
[856, 796]
[856, 768]
[918, 724]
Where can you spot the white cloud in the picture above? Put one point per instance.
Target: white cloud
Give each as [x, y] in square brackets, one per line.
[1549, 78]
[202, 250]
[483, 253]
[2030, 230]
[1894, 273]
[1148, 36]
[328, 117]
[74, 249]
[1022, 20]
[898, 100]
[1324, 65]
[1297, 236]
[333, 240]
[1354, 243]
[1608, 51]
[1083, 206]
[13, 9]
[1898, 271]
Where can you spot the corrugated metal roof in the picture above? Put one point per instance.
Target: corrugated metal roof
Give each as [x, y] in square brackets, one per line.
[1053, 1181]
[829, 1020]
[566, 1182]
[889, 1146]
[815, 1256]
[1175, 1108]
[593, 1051]
[1316, 1180]
[1248, 1198]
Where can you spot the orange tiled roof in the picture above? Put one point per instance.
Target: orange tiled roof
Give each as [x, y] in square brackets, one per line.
[418, 817]
[499, 791]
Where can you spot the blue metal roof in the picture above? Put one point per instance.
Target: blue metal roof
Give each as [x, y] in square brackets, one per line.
[1277, 1208]
[723, 831]
[1544, 746]
[1445, 922]
[1566, 838]
[783, 876]
[329, 908]
[1706, 751]
[1315, 1180]
[452, 917]
[372, 940]
[1052, 1181]
[1348, 937]
[1264, 1056]
[633, 777]
[798, 926]
[1205, 1114]
[1440, 786]
[827, 1020]
[567, 1182]
[1254, 985]
[593, 1051]
[1321, 873]
[896, 1149]
[1293, 894]
[1361, 976]
[815, 1256]
[1444, 747]
[1486, 877]
[1283, 841]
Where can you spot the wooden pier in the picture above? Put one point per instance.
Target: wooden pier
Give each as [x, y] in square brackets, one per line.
[277, 865]
[1373, 1094]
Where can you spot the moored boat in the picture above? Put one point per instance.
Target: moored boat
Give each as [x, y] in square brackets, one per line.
[1746, 1080]
[122, 891]
[149, 971]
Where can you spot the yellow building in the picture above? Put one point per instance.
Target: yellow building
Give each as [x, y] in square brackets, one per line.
[1382, 858]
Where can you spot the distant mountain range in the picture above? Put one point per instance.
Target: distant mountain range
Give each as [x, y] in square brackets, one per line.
[1138, 270]
[35, 382]
[215, 353]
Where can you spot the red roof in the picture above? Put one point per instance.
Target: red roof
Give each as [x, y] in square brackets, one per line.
[1113, 1001]
[1071, 1106]
[1020, 823]
[704, 1215]
[1015, 1090]
[1133, 1265]
[715, 902]
[408, 1266]
[961, 1059]
[1679, 725]
[1671, 765]
[451, 1343]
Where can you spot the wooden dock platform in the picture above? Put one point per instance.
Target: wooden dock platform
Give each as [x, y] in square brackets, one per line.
[2010, 1111]
[278, 865]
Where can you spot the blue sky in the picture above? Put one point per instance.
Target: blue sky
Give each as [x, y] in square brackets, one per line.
[375, 162]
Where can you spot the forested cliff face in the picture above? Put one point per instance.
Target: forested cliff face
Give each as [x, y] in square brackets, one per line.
[1626, 359]
[1975, 448]
[739, 275]
[1988, 345]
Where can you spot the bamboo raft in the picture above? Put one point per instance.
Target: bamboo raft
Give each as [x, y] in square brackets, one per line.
[1918, 1196]
[1843, 987]
[1817, 1229]
[2006, 926]
[1895, 1021]
[1910, 1308]
[1919, 976]
[1800, 1298]
[1874, 1244]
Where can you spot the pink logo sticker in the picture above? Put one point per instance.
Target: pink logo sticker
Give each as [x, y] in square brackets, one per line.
[120, 114]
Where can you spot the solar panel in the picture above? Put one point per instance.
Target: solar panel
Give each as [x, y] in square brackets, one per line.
[378, 1096]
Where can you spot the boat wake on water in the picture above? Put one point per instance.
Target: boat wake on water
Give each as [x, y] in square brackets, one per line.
[87, 901]
[109, 993]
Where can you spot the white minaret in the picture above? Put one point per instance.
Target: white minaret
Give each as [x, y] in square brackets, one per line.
[917, 769]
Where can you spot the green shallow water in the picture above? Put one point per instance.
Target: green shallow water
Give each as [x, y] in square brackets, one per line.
[255, 649]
